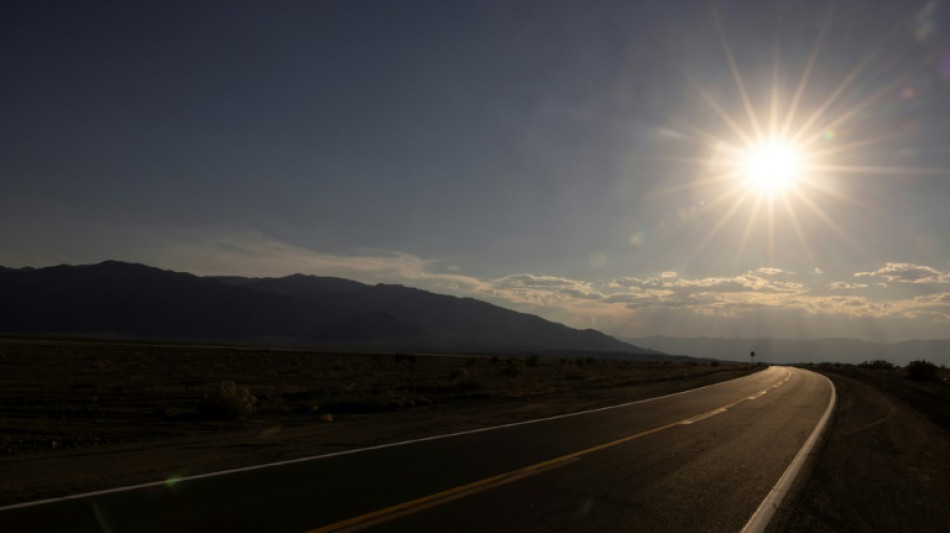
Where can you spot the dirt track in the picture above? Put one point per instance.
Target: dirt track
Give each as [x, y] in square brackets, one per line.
[882, 467]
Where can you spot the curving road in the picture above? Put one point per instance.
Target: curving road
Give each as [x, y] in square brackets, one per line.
[702, 460]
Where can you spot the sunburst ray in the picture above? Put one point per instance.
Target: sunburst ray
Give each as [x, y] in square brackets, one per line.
[789, 129]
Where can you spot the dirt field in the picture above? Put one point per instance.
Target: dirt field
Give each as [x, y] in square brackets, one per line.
[81, 416]
[884, 465]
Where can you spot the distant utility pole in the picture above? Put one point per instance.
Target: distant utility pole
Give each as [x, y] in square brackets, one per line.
[751, 357]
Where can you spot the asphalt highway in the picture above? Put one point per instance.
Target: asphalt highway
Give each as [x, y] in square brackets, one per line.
[702, 460]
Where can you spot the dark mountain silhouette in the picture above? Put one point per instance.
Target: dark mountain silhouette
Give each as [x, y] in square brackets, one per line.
[297, 283]
[122, 299]
[117, 299]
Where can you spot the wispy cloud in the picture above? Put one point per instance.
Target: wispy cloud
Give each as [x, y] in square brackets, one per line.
[846, 286]
[908, 273]
[753, 281]
[229, 252]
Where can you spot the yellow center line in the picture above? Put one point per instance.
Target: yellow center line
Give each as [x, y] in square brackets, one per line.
[413, 506]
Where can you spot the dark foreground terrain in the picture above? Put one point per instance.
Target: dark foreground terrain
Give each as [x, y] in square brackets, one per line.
[84, 416]
[885, 462]
[78, 417]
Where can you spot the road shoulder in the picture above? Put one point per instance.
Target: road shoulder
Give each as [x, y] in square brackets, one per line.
[882, 467]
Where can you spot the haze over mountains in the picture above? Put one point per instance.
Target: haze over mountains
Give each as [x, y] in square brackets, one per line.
[119, 299]
[786, 351]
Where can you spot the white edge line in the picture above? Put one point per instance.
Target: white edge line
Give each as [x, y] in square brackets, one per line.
[345, 452]
[763, 515]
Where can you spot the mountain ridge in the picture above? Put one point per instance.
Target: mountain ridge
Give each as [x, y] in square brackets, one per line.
[128, 300]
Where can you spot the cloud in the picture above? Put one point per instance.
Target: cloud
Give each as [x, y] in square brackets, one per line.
[752, 281]
[534, 281]
[541, 290]
[629, 298]
[574, 293]
[941, 298]
[845, 286]
[908, 273]
[224, 251]
[853, 306]
[808, 302]
[748, 282]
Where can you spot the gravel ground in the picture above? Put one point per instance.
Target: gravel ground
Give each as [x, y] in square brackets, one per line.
[883, 466]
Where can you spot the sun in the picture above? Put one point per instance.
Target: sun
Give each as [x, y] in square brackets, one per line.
[772, 167]
[781, 154]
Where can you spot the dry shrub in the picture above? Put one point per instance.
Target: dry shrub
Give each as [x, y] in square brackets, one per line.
[459, 373]
[230, 402]
[572, 375]
[921, 370]
[512, 369]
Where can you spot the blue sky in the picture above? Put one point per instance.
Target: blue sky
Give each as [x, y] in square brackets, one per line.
[571, 159]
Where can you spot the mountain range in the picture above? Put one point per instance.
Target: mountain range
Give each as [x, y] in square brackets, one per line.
[789, 351]
[124, 300]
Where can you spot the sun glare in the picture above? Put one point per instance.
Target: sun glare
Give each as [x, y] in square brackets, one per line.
[776, 156]
[772, 167]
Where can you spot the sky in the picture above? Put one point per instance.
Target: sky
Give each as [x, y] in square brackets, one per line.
[588, 162]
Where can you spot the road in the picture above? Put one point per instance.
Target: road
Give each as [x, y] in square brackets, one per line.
[702, 460]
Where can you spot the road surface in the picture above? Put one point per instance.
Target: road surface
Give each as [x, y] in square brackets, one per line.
[702, 460]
